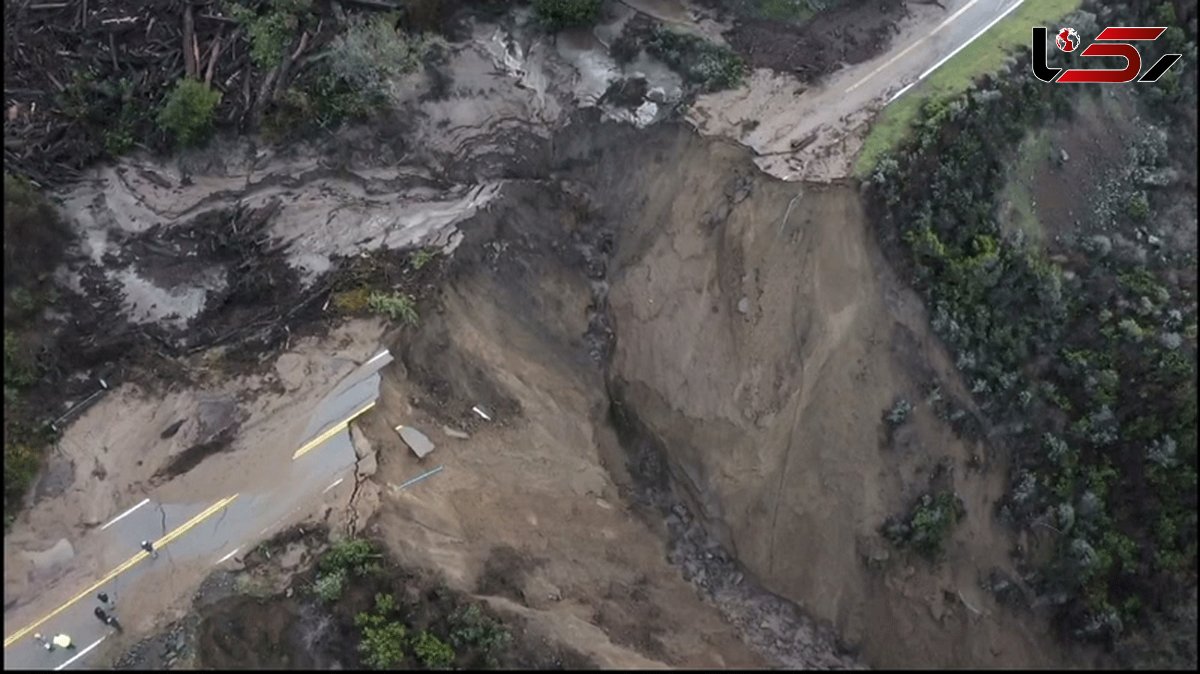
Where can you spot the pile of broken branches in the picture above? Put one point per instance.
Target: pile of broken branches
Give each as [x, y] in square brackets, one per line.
[83, 79]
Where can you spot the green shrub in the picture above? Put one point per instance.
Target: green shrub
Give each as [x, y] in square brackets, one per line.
[432, 651]
[700, 62]
[422, 257]
[271, 32]
[396, 306]
[556, 15]
[899, 412]
[471, 628]
[383, 637]
[329, 586]
[351, 301]
[188, 111]
[1138, 207]
[371, 54]
[353, 555]
[928, 525]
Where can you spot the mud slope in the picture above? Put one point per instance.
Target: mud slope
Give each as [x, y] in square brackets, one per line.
[747, 337]
[759, 338]
[524, 514]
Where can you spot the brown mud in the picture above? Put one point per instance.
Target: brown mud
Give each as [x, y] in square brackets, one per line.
[687, 363]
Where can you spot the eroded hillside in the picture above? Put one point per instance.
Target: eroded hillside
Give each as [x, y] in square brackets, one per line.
[732, 420]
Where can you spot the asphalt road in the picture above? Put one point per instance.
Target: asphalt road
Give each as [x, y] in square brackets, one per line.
[187, 534]
[848, 98]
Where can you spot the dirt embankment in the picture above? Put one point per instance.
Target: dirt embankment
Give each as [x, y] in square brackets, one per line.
[687, 365]
[759, 338]
[749, 337]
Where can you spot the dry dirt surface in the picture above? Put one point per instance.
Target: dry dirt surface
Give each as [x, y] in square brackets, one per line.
[750, 337]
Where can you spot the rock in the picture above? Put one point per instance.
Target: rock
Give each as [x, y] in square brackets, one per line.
[937, 610]
[171, 430]
[362, 446]
[645, 114]
[743, 305]
[367, 466]
[417, 441]
[455, 433]
[292, 369]
[657, 95]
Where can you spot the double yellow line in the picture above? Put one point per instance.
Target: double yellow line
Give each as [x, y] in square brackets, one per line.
[332, 431]
[125, 566]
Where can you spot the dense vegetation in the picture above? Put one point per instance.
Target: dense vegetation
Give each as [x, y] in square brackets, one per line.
[393, 633]
[557, 15]
[34, 241]
[709, 66]
[1087, 371]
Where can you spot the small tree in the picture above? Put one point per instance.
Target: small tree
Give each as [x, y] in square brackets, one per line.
[371, 54]
[328, 586]
[432, 651]
[396, 306]
[188, 111]
[899, 412]
[383, 639]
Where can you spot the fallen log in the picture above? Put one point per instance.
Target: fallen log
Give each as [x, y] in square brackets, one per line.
[212, 60]
[189, 36]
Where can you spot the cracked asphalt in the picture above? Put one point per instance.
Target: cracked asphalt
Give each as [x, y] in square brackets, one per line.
[190, 535]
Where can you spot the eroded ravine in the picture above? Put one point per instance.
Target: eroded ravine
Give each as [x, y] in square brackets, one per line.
[745, 368]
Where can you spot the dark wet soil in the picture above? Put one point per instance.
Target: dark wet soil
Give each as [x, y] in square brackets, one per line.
[852, 32]
[504, 574]
[192, 456]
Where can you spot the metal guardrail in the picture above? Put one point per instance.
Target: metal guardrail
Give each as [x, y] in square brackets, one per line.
[80, 405]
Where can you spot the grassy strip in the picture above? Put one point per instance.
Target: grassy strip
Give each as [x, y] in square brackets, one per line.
[985, 56]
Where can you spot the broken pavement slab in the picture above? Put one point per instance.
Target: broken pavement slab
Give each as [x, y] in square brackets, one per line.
[455, 433]
[367, 462]
[417, 441]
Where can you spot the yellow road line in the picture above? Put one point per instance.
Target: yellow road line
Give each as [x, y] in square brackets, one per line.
[333, 430]
[125, 566]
